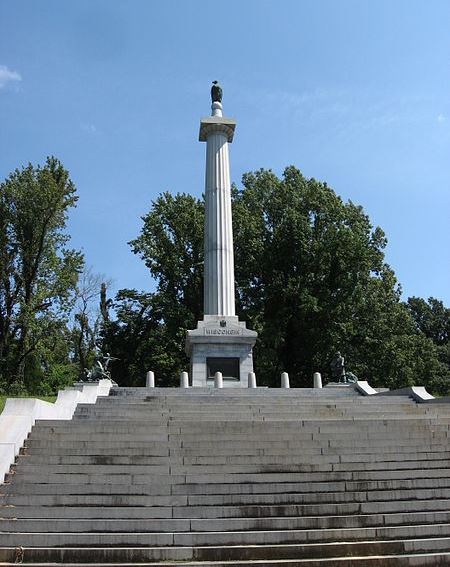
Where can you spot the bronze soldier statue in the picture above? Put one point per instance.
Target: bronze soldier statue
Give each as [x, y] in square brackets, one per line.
[338, 368]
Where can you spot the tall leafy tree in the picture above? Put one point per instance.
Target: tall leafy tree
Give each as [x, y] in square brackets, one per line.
[38, 272]
[312, 280]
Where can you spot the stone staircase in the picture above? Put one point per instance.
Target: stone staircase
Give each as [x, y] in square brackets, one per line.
[206, 477]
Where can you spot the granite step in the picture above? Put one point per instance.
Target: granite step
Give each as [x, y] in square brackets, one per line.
[204, 512]
[416, 560]
[177, 475]
[164, 488]
[355, 552]
[232, 538]
[201, 500]
[273, 523]
[407, 460]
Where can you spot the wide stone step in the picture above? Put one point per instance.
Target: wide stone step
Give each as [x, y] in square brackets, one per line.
[221, 525]
[179, 475]
[221, 499]
[225, 538]
[164, 434]
[178, 453]
[267, 555]
[224, 447]
[351, 454]
[178, 465]
[165, 488]
[421, 423]
[415, 560]
[247, 511]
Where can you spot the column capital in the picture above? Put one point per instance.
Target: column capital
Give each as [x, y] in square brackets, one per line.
[213, 124]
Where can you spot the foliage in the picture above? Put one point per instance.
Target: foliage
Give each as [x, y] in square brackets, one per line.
[38, 272]
[141, 340]
[150, 328]
[89, 314]
[432, 320]
[310, 278]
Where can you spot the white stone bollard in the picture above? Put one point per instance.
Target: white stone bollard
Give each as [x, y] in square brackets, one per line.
[184, 380]
[285, 380]
[150, 379]
[251, 380]
[218, 380]
[317, 380]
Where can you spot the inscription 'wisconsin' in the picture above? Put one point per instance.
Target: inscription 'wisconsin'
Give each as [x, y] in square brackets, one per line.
[222, 331]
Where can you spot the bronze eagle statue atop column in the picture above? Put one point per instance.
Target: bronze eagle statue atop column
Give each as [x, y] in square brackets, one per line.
[216, 92]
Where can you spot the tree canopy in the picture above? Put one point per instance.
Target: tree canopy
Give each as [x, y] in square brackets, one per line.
[311, 278]
[38, 272]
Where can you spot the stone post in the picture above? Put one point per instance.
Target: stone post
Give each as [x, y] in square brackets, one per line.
[285, 380]
[218, 380]
[251, 380]
[184, 380]
[150, 379]
[317, 380]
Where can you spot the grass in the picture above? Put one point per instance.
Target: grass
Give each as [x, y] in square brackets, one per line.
[45, 398]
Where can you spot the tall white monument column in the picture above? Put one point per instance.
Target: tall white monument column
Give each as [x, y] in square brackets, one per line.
[221, 343]
[218, 293]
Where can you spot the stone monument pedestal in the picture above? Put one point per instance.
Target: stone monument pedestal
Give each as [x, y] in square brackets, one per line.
[220, 344]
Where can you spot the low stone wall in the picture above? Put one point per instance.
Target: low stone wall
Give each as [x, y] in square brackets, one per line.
[20, 414]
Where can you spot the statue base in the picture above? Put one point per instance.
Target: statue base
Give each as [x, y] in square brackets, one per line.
[220, 344]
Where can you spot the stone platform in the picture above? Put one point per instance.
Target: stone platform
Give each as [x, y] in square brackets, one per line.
[205, 477]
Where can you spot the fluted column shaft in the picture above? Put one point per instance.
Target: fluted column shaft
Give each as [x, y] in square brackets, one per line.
[219, 258]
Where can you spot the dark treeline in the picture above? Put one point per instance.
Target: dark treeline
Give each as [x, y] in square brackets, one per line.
[310, 277]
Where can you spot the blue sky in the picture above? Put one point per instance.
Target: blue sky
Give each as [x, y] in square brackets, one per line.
[355, 93]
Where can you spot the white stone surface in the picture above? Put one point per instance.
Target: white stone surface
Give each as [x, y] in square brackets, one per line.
[218, 237]
[417, 393]
[251, 380]
[184, 380]
[218, 380]
[216, 109]
[20, 414]
[285, 380]
[317, 380]
[363, 387]
[150, 379]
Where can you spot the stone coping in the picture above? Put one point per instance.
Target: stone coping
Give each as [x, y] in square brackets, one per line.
[20, 414]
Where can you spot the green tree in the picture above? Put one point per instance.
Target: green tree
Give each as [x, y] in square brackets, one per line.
[149, 330]
[141, 340]
[310, 278]
[38, 272]
[432, 320]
